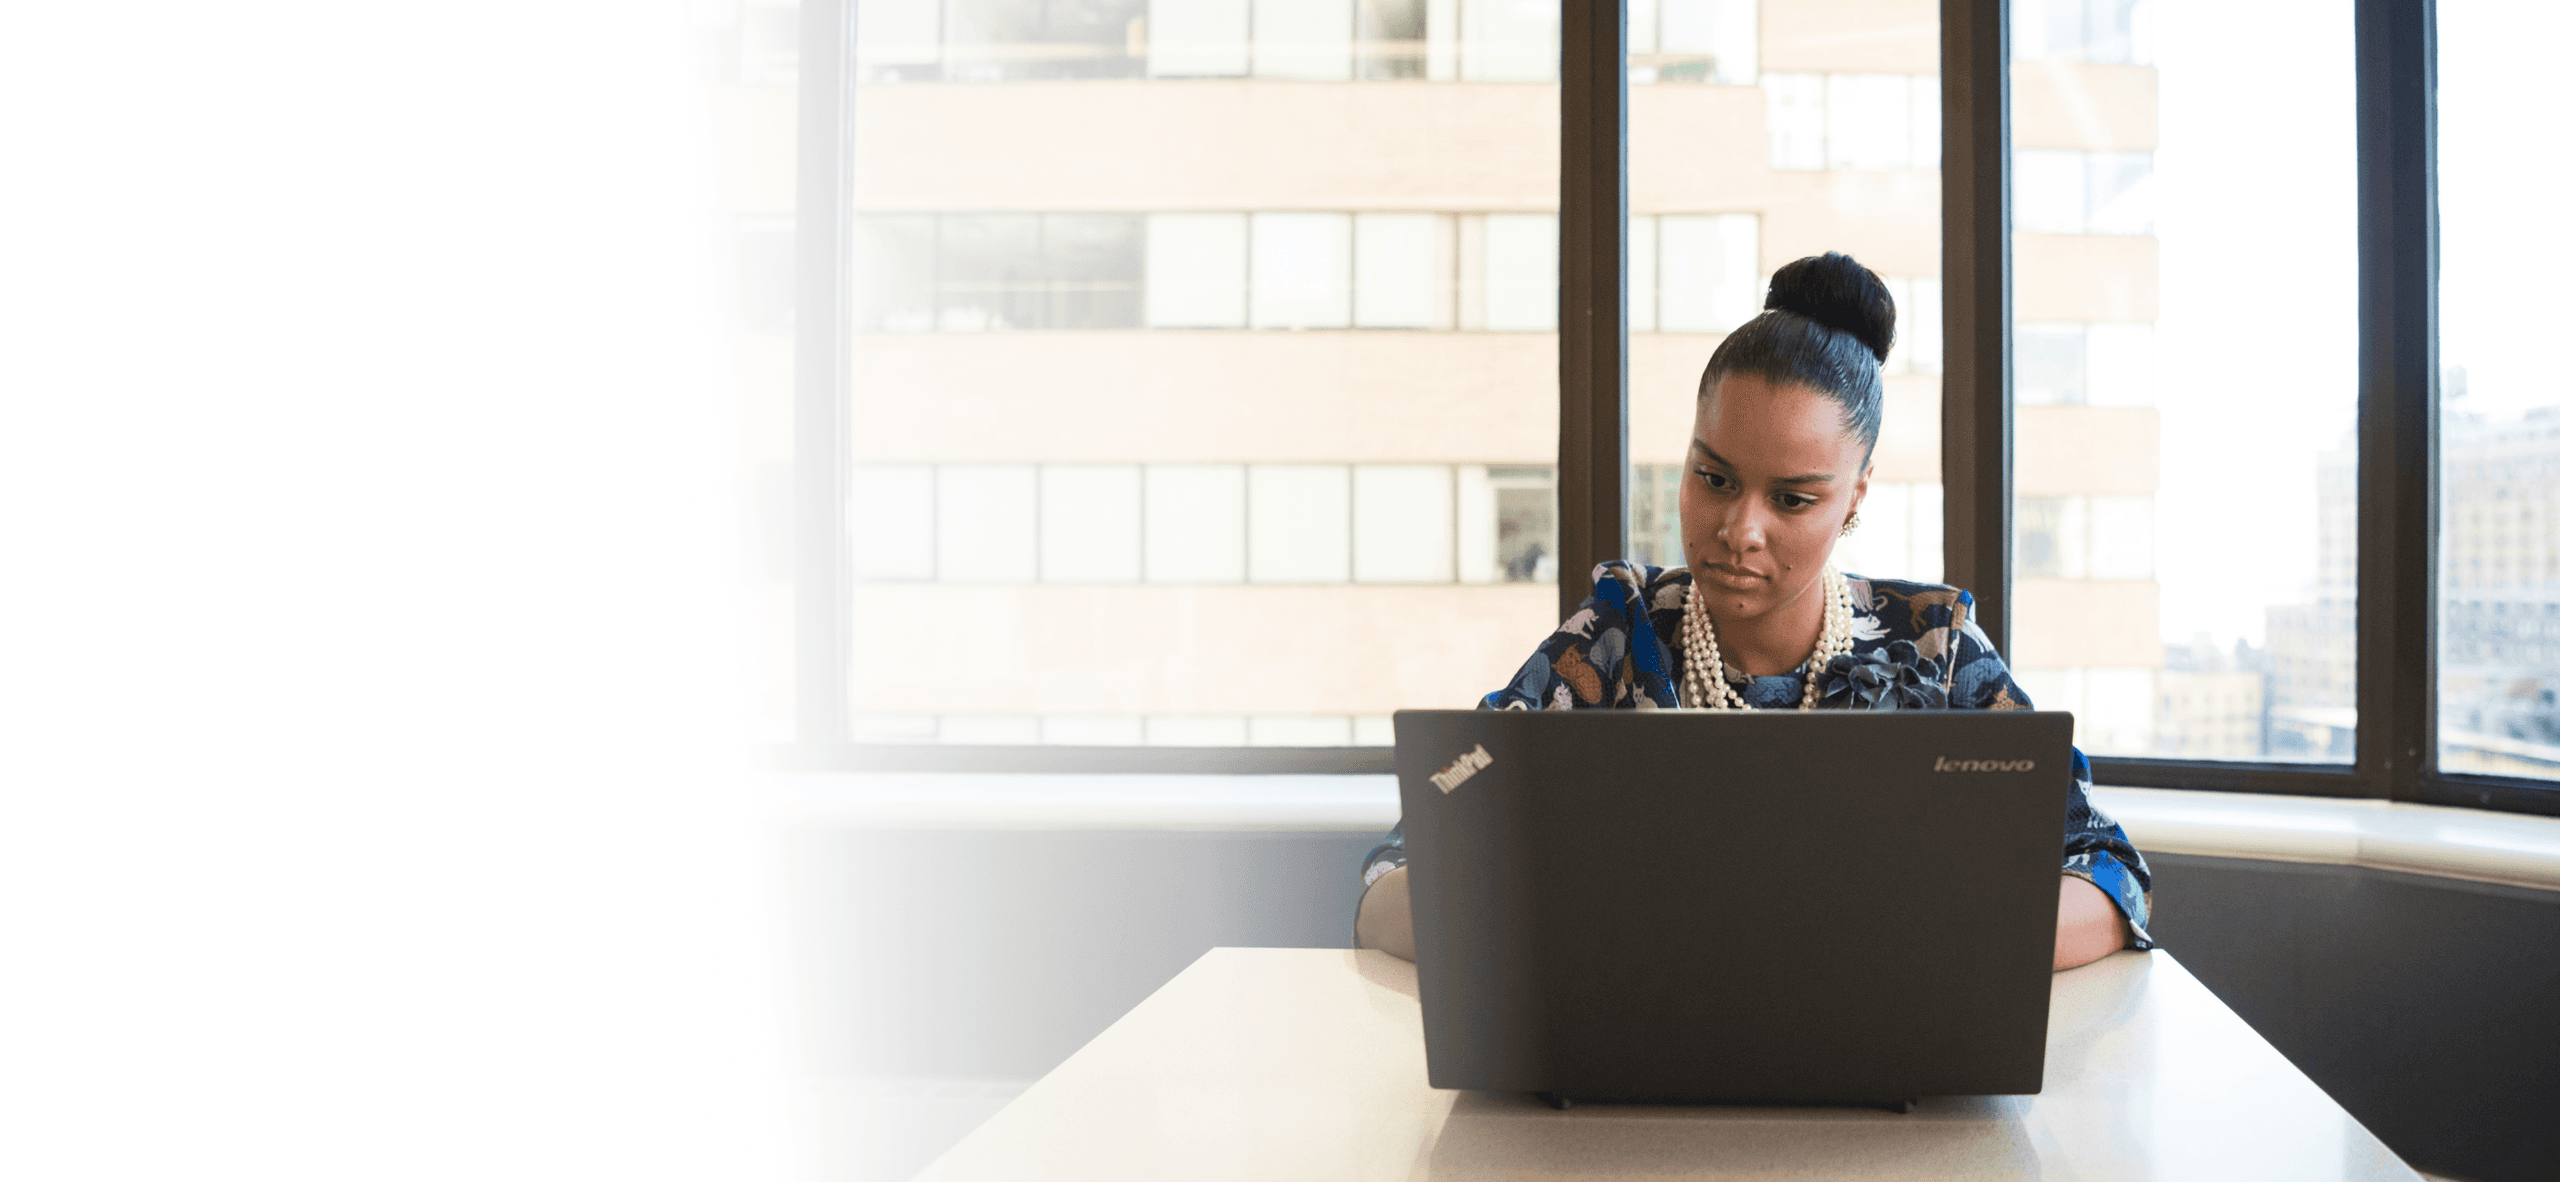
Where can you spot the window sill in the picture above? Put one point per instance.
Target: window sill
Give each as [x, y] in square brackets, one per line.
[2509, 848]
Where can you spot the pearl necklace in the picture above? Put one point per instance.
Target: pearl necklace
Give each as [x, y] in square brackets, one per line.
[1704, 678]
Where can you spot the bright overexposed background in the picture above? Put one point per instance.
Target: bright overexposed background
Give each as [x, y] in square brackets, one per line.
[2498, 239]
[368, 801]
[2256, 191]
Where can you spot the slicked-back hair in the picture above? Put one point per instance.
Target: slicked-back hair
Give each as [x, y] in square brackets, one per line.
[1828, 327]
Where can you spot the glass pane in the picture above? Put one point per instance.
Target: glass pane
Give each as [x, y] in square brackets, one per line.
[1399, 259]
[1299, 519]
[2185, 360]
[1088, 525]
[1204, 352]
[2498, 535]
[1003, 40]
[1845, 159]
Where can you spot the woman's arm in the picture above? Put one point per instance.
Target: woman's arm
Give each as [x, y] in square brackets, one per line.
[2089, 925]
[1386, 915]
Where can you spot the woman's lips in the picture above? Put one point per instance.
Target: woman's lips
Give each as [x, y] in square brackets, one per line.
[1734, 576]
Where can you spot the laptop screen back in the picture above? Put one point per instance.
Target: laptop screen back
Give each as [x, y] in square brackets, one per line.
[1826, 907]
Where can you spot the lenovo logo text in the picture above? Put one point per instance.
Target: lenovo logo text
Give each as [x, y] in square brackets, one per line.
[1985, 765]
[1462, 769]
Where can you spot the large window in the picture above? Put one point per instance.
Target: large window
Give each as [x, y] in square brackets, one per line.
[1196, 336]
[2498, 458]
[2166, 392]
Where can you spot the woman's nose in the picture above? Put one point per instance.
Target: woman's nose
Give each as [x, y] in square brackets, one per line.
[1743, 531]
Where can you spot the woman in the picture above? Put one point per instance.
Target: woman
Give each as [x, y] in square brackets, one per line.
[1779, 457]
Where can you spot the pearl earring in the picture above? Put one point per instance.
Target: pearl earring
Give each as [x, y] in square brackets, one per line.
[1850, 526]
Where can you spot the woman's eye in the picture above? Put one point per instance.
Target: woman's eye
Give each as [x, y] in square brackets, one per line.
[1792, 501]
[1715, 480]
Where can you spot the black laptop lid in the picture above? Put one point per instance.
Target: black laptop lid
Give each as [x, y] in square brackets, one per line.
[1824, 907]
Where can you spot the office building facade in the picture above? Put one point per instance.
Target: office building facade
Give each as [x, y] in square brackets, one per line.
[1204, 368]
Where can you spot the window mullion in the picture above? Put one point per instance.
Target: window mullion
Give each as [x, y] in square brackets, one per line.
[1976, 433]
[1591, 324]
[2396, 480]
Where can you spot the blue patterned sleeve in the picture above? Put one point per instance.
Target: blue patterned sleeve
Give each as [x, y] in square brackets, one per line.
[1384, 858]
[1604, 655]
[2095, 848]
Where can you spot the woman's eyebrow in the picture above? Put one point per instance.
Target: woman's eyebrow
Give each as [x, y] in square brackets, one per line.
[1721, 462]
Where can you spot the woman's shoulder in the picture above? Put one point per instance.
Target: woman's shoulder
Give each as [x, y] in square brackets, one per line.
[1938, 620]
[1641, 584]
[1907, 608]
[1642, 575]
[1911, 590]
[1608, 653]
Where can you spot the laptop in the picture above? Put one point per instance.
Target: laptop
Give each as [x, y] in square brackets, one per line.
[1682, 907]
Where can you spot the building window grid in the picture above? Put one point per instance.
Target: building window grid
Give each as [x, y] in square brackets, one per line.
[1176, 524]
[1343, 270]
[1044, 523]
[987, 41]
[1851, 122]
[1125, 730]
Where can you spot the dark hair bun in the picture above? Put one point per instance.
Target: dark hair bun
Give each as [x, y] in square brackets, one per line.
[1834, 291]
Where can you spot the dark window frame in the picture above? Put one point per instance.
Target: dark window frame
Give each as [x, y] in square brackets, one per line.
[2397, 499]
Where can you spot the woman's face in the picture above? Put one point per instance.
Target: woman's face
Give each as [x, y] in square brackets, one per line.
[1773, 472]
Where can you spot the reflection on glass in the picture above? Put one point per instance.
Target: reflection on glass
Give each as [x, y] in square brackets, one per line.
[2498, 532]
[2184, 363]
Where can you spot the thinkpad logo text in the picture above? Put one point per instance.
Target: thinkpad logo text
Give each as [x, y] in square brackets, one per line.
[1461, 769]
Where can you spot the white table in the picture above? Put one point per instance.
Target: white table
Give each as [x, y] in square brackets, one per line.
[1288, 1063]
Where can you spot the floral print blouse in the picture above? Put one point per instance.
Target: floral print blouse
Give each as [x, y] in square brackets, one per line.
[1622, 652]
